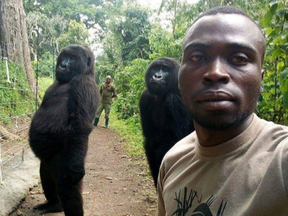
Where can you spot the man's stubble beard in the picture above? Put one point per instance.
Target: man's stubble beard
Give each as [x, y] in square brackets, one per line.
[221, 120]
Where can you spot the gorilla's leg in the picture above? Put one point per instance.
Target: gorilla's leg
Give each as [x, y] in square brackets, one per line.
[71, 198]
[49, 186]
[72, 171]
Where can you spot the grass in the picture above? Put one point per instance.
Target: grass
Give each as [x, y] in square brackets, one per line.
[130, 132]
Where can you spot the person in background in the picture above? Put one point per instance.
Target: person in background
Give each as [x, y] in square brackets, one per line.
[234, 163]
[107, 92]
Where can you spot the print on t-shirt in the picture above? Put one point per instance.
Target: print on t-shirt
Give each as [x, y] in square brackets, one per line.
[185, 207]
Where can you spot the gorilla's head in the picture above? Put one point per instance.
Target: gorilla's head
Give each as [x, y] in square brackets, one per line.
[162, 76]
[72, 61]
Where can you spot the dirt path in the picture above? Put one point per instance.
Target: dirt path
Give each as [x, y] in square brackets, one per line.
[114, 185]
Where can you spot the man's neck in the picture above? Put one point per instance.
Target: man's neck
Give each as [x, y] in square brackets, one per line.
[209, 138]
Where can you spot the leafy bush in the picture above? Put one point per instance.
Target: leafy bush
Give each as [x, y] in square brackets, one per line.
[273, 104]
[130, 83]
[169, 46]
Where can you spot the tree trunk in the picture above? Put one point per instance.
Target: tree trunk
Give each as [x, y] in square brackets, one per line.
[14, 38]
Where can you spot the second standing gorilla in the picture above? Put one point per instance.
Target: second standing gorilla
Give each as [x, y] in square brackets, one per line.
[164, 118]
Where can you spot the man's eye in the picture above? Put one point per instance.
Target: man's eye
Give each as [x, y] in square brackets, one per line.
[197, 58]
[239, 60]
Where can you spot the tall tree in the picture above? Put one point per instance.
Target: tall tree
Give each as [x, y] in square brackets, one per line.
[84, 10]
[43, 32]
[14, 38]
[131, 31]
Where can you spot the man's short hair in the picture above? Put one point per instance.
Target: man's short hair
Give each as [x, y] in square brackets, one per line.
[108, 77]
[226, 9]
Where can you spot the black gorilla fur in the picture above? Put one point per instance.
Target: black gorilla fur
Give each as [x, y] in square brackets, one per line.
[164, 118]
[60, 128]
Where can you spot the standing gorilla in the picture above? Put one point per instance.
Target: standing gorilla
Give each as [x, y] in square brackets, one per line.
[164, 118]
[60, 128]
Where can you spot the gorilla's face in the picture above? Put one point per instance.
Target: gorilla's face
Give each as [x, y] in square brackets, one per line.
[161, 76]
[72, 61]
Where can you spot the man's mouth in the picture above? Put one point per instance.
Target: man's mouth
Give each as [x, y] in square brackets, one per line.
[208, 96]
[215, 100]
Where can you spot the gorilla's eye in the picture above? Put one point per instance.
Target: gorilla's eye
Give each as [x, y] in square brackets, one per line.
[165, 68]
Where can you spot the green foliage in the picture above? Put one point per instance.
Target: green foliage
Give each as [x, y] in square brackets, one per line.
[169, 46]
[112, 51]
[167, 41]
[76, 34]
[129, 33]
[284, 86]
[134, 31]
[274, 101]
[16, 98]
[83, 10]
[46, 65]
[130, 84]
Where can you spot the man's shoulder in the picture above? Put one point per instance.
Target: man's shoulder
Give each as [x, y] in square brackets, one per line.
[181, 148]
[274, 129]
[275, 137]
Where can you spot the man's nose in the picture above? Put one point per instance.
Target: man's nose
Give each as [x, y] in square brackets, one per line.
[216, 72]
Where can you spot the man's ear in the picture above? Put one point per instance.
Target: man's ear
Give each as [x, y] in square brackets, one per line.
[262, 73]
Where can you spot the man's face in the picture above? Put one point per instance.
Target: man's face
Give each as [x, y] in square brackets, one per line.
[220, 74]
[108, 80]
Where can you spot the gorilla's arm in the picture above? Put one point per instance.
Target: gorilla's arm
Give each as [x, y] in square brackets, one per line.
[83, 91]
[150, 131]
[147, 107]
[179, 122]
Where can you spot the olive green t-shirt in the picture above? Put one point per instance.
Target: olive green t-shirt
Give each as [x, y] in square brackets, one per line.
[107, 92]
[245, 176]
